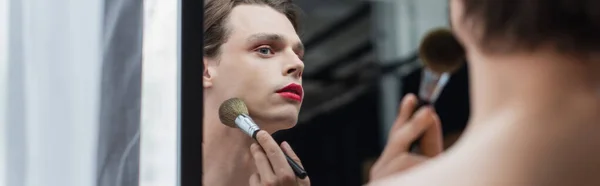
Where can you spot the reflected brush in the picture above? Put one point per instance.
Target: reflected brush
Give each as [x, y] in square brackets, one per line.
[441, 55]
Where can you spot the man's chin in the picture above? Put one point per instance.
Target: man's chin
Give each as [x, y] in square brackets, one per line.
[277, 124]
[289, 125]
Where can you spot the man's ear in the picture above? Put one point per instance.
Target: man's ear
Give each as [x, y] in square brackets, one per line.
[208, 74]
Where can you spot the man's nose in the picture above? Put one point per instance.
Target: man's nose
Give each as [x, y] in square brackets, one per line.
[294, 68]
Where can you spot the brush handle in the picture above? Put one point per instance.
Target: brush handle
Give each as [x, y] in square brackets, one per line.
[298, 170]
[414, 146]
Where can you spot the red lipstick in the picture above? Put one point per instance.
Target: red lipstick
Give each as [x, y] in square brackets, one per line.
[292, 91]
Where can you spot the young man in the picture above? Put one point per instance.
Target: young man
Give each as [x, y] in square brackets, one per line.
[252, 52]
[535, 87]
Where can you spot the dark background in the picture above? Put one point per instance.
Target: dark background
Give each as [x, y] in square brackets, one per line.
[336, 146]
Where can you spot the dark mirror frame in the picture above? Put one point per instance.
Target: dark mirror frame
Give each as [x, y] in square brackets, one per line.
[190, 100]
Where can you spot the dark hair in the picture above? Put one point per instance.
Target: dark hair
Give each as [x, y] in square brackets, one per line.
[573, 26]
[216, 13]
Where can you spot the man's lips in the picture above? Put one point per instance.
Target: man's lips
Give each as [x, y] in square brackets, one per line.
[292, 91]
[291, 96]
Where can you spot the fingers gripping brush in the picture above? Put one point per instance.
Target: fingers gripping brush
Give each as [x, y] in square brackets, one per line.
[234, 113]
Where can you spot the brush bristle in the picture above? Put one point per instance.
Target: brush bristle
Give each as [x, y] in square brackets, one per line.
[231, 109]
[441, 52]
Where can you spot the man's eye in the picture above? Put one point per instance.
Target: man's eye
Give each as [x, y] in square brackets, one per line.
[265, 51]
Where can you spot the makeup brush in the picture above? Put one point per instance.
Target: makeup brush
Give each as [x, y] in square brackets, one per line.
[441, 52]
[441, 55]
[234, 113]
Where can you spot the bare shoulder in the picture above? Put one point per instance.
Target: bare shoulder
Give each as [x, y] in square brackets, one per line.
[510, 156]
[462, 166]
[449, 169]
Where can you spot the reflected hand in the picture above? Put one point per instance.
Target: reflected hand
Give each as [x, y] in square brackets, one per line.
[273, 168]
[407, 128]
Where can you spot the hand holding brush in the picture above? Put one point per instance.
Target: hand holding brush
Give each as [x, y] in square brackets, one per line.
[276, 165]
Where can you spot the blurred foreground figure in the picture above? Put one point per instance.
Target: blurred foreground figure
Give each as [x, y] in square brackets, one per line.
[252, 52]
[535, 88]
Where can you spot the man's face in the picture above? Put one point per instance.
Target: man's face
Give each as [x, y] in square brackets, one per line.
[261, 57]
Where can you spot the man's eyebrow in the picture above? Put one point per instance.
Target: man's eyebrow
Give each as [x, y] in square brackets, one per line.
[265, 37]
[273, 37]
[299, 47]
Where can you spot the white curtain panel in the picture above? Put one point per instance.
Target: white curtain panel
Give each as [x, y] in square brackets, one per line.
[52, 92]
[3, 86]
[70, 92]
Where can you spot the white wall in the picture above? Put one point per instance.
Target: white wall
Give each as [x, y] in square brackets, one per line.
[158, 153]
[53, 92]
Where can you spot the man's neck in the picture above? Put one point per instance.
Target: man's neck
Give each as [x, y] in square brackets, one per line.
[227, 158]
[533, 84]
[532, 113]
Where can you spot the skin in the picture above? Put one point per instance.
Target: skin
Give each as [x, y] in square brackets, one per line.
[396, 156]
[262, 55]
[534, 120]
